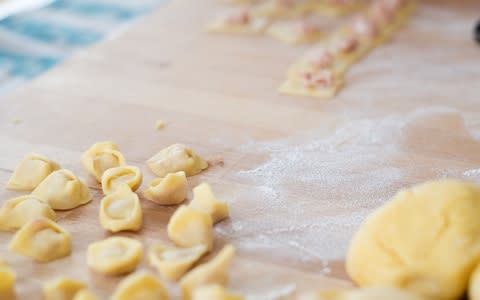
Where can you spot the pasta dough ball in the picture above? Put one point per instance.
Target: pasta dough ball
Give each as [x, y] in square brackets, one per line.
[62, 190]
[101, 157]
[189, 227]
[140, 286]
[172, 262]
[175, 158]
[114, 255]
[7, 281]
[115, 177]
[121, 210]
[42, 240]
[214, 292]
[31, 170]
[62, 289]
[212, 272]
[424, 240]
[18, 211]
[374, 293]
[204, 200]
[170, 190]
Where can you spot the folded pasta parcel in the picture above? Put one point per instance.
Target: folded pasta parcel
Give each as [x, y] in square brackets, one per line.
[7, 281]
[31, 170]
[176, 158]
[101, 157]
[42, 240]
[62, 190]
[18, 211]
[62, 288]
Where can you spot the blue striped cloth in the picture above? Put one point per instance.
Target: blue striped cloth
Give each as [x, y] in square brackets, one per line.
[35, 41]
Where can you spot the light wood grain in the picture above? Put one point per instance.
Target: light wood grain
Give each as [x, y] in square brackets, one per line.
[218, 93]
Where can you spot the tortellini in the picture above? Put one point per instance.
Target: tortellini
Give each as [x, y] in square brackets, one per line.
[140, 286]
[114, 255]
[214, 292]
[101, 157]
[18, 211]
[85, 295]
[121, 210]
[212, 272]
[62, 190]
[171, 262]
[170, 190]
[31, 170]
[374, 293]
[7, 281]
[115, 177]
[189, 227]
[62, 289]
[204, 200]
[42, 240]
[175, 158]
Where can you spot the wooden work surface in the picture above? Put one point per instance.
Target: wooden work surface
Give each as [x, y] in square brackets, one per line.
[299, 174]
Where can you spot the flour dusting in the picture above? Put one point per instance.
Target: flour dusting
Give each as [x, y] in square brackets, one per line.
[304, 202]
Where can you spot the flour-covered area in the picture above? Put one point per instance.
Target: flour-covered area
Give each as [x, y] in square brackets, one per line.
[303, 202]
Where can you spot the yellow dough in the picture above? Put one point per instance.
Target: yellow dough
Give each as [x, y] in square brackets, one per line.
[375, 293]
[62, 190]
[275, 9]
[474, 284]
[172, 262]
[204, 200]
[31, 170]
[175, 158]
[293, 86]
[115, 177]
[18, 211]
[121, 210]
[212, 272]
[7, 281]
[62, 289]
[239, 20]
[42, 240]
[295, 32]
[114, 255]
[140, 286]
[170, 190]
[214, 292]
[85, 295]
[101, 157]
[424, 240]
[330, 9]
[189, 227]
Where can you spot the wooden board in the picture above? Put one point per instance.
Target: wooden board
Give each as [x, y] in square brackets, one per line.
[409, 113]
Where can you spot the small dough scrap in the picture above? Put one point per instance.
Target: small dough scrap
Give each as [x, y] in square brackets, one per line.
[121, 210]
[295, 32]
[214, 292]
[171, 262]
[114, 177]
[43, 240]
[85, 295]
[374, 293]
[101, 157]
[238, 21]
[204, 200]
[18, 211]
[175, 158]
[115, 255]
[474, 284]
[160, 124]
[62, 190]
[62, 289]
[140, 286]
[31, 170]
[424, 240]
[7, 281]
[212, 272]
[170, 190]
[189, 227]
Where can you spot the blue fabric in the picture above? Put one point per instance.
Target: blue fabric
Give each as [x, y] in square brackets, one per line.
[35, 41]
